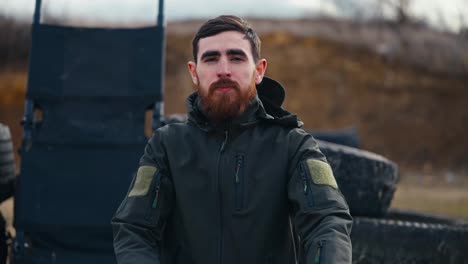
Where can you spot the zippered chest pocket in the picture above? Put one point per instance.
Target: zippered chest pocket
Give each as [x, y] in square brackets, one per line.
[239, 182]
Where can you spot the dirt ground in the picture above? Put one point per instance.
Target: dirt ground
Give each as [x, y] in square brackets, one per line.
[441, 199]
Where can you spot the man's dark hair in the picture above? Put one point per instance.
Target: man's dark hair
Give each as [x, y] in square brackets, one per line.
[227, 23]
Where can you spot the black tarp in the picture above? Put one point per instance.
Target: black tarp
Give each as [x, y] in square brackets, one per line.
[93, 62]
[93, 87]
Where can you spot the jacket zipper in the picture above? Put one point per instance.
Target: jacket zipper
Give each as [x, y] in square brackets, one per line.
[221, 231]
[151, 214]
[158, 188]
[318, 255]
[238, 180]
[306, 185]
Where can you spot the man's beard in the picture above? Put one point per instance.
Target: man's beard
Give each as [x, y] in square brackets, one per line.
[219, 106]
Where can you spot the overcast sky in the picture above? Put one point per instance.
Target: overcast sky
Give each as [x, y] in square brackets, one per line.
[452, 13]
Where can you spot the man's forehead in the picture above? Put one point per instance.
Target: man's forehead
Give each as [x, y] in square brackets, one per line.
[224, 42]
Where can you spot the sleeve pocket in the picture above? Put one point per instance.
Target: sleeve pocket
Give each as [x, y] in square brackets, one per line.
[324, 190]
[144, 203]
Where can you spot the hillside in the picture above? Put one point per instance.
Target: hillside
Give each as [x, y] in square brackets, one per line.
[405, 89]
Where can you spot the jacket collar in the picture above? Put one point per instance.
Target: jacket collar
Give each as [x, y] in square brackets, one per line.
[265, 106]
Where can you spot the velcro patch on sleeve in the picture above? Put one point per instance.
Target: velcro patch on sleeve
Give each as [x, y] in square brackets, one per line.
[143, 181]
[321, 173]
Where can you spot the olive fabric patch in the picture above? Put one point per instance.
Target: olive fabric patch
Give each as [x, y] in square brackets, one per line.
[321, 173]
[143, 181]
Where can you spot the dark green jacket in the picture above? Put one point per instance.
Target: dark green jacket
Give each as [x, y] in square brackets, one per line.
[256, 190]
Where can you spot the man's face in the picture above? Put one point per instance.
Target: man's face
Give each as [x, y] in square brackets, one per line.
[225, 74]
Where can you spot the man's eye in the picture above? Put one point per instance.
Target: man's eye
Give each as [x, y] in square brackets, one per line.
[237, 59]
[210, 59]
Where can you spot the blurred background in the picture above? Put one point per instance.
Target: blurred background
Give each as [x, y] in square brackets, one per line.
[396, 70]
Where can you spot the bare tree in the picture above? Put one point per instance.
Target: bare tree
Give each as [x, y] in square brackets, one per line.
[398, 10]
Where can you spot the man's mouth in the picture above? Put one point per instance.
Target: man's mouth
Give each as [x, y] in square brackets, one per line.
[224, 89]
[224, 86]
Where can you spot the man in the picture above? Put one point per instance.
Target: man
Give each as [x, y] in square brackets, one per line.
[239, 182]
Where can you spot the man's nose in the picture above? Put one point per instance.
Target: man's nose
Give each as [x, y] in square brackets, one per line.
[224, 69]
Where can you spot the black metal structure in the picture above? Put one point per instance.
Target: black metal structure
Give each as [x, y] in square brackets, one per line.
[93, 87]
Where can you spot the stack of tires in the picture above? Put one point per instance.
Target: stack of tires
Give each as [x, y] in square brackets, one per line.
[7, 164]
[7, 180]
[380, 235]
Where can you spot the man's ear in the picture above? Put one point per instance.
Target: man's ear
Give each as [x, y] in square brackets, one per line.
[192, 68]
[260, 68]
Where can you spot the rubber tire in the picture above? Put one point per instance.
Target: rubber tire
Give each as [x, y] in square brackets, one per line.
[3, 240]
[346, 136]
[367, 180]
[414, 216]
[7, 164]
[391, 240]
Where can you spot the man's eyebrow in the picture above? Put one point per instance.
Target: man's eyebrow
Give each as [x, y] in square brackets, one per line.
[236, 52]
[210, 53]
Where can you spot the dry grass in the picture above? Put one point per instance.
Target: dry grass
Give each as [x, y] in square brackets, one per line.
[443, 194]
[449, 201]
[12, 87]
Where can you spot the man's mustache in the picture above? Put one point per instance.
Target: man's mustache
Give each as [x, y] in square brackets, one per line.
[224, 83]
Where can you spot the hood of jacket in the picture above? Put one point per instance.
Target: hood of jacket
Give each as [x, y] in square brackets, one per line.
[267, 106]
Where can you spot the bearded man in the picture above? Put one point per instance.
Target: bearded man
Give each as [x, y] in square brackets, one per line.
[240, 181]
